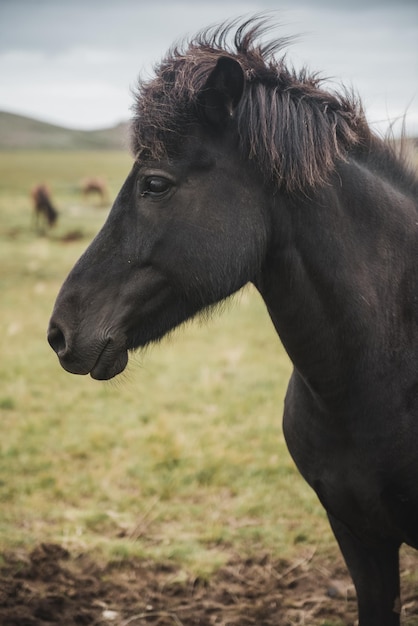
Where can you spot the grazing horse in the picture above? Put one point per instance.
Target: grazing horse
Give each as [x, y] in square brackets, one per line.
[95, 186]
[43, 207]
[248, 171]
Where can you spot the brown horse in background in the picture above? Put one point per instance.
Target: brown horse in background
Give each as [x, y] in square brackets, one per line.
[43, 208]
[95, 185]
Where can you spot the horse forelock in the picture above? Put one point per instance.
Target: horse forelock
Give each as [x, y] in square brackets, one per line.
[291, 128]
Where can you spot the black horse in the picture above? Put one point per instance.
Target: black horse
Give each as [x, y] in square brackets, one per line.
[248, 171]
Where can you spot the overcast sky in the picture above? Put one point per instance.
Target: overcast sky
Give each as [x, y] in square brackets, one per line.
[75, 62]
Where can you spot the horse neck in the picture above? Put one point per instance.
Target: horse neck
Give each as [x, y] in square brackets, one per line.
[333, 277]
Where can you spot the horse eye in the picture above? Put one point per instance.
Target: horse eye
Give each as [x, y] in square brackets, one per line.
[155, 186]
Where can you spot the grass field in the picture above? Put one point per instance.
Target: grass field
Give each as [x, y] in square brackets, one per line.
[183, 456]
[180, 459]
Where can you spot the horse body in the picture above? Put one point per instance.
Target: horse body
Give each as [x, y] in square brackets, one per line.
[328, 235]
[345, 320]
[348, 319]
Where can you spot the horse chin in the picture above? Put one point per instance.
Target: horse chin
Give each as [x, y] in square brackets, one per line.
[105, 371]
[109, 364]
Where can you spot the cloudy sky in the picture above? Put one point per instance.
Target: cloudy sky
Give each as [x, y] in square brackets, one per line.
[74, 62]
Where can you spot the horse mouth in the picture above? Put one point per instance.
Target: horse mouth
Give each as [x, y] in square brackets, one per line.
[110, 362]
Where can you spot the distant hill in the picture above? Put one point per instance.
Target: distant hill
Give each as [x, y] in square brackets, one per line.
[19, 132]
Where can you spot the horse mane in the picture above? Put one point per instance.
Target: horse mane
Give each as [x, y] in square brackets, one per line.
[292, 128]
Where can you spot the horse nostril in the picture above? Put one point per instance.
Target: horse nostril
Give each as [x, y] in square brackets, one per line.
[56, 339]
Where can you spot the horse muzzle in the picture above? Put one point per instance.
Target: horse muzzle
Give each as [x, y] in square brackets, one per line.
[102, 358]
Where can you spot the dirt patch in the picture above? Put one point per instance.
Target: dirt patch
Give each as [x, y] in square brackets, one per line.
[71, 235]
[51, 587]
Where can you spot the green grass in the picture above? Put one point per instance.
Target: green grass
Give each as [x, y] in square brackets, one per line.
[180, 458]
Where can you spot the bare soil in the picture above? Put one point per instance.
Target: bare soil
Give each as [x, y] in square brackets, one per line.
[50, 587]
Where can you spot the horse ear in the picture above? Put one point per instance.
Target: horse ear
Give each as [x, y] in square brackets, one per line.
[222, 92]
